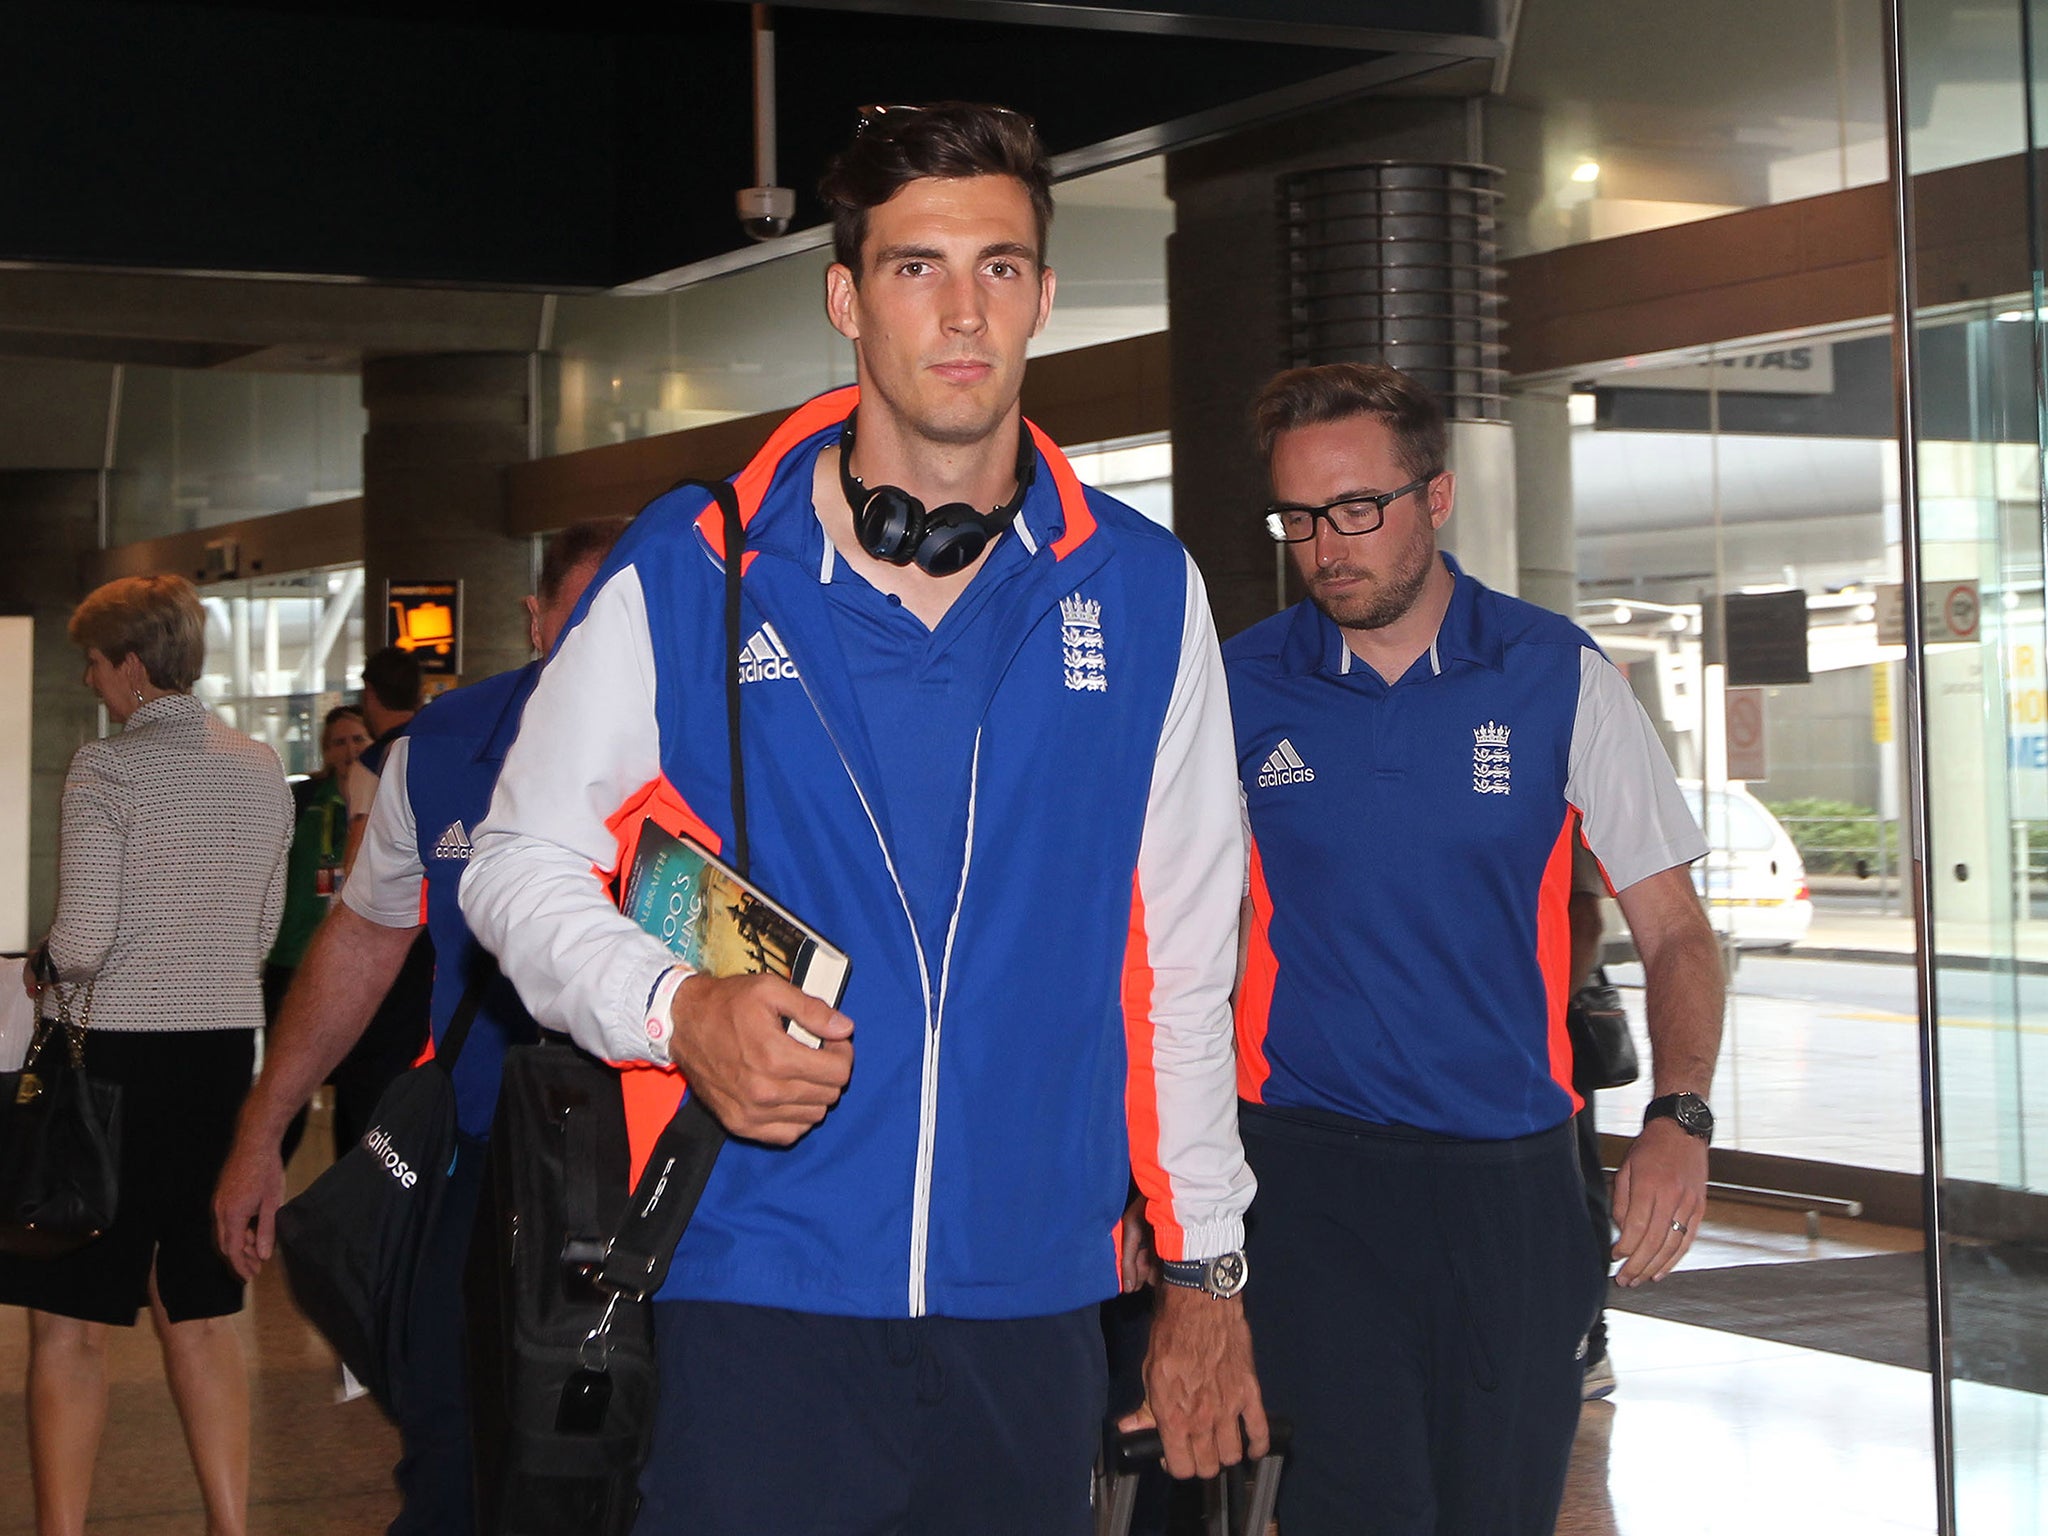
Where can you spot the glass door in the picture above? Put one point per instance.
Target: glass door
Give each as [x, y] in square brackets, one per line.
[1971, 535]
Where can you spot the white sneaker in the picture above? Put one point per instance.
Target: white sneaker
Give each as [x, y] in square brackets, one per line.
[1598, 1379]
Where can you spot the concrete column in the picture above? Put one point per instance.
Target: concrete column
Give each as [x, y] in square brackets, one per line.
[441, 431]
[52, 520]
[1481, 532]
[1544, 525]
[1225, 305]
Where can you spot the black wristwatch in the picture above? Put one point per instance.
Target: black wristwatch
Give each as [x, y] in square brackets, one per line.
[1688, 1109]
[1222, 1277]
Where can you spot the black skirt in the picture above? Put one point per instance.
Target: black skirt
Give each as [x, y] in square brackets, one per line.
[180, 1093]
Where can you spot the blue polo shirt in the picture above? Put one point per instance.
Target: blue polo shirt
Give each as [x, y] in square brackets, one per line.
[922, 694]
[1412, 860]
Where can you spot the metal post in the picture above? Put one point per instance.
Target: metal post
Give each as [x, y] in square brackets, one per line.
[764, 96]
[238, 618]
[334, 618]
[107, 451]
[272, 666]
[1906, 416]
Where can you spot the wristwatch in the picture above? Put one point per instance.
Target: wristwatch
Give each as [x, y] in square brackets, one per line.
[1222, 1277]
[1688, 1109]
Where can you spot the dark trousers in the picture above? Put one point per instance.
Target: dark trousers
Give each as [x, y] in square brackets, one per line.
[1416, 1306]
[431, 1393]
[1599, 1211]
[774, 1422]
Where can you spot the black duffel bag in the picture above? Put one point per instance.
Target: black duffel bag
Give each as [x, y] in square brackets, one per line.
[562, 1263]
[351, 1241]
[563, 1375]
[565, 1258]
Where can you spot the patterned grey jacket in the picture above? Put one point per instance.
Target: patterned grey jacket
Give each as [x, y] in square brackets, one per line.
[170, 880]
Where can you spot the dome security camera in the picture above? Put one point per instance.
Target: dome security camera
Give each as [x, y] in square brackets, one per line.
[765, 212]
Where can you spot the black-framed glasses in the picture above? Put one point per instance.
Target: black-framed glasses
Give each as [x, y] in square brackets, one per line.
[1291, 524]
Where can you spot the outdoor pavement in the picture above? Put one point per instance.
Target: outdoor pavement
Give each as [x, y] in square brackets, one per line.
[1854, 934]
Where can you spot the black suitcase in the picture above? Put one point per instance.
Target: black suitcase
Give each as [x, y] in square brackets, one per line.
[1233, 1502]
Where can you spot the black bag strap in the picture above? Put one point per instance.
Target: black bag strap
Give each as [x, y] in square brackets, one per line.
[637, 1259]
[448, 1049]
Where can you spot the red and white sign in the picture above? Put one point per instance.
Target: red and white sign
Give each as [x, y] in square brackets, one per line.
[1746, 756]
[1951, 613]
[1959, 611]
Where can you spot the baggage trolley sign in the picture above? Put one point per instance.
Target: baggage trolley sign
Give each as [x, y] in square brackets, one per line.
[425, 619]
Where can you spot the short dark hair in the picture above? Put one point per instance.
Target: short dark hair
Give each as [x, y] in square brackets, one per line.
[393, 677]
[341, 712]
[951, 140]
[591, 539]
[1308, 397]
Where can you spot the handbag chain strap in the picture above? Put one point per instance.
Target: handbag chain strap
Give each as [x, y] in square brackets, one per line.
[68, 1023]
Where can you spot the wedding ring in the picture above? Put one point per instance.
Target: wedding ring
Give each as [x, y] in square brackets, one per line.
[1678, 1226]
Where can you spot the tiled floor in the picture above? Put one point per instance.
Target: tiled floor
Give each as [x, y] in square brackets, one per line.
[1709, 1432]
[318, 1468]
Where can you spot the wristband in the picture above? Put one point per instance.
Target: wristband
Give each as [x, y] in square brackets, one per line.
[660, 1020]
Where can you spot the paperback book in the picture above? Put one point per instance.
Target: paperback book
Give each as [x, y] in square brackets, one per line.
[715, 922]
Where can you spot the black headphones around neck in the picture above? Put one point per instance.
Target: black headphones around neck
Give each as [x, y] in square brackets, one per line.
[893, 525]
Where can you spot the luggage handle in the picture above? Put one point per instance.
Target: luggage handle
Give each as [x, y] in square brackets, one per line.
[1133, 1450]
[1127, 1453]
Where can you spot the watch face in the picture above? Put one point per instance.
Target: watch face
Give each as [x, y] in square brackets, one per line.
[1690, 1110]
[1227, 1274]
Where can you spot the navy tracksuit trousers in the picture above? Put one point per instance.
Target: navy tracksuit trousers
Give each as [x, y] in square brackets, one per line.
[1416, 1307]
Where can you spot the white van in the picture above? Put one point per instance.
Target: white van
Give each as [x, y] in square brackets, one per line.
[1752, 879]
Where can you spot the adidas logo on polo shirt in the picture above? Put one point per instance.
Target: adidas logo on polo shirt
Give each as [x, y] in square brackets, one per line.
[764, 660]
[1284, 766]
[454, 843]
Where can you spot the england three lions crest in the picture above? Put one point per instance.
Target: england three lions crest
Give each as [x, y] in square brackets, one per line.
[1081, 653]
[1491, 763]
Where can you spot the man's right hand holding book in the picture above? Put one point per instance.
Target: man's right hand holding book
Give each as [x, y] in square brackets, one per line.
[731, 1043]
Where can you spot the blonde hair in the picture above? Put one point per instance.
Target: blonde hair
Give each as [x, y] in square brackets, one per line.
[157, 619]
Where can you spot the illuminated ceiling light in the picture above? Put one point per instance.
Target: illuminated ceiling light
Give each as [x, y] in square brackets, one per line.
[1680, 623]
[1867, 614]
[1623, 613]
[1586, 171]
[2011, 600]
[1582, 410]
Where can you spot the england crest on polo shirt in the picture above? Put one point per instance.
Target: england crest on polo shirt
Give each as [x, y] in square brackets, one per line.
[1087, 666]
[1491, 763]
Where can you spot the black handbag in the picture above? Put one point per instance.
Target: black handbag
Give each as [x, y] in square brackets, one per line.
[351, 1241]
[1603, 1050]
[565, 1261]
[60, 1141]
